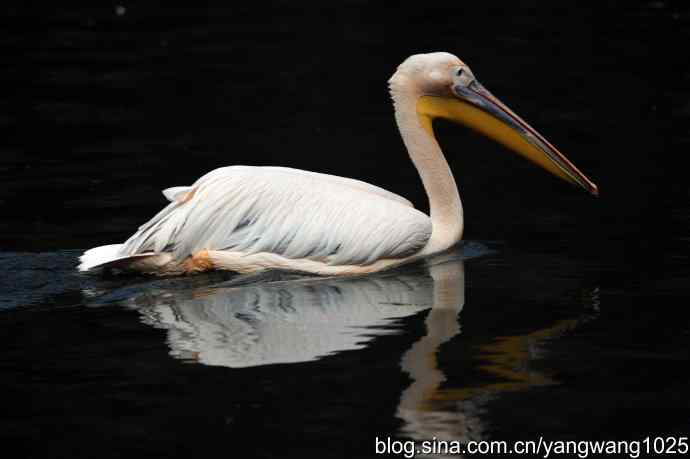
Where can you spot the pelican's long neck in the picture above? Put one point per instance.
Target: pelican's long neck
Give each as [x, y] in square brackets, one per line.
[439, 184]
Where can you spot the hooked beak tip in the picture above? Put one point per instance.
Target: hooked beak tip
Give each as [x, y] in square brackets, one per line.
[594, 191]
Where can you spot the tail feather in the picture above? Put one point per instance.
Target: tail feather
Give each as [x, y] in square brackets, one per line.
[107, 255]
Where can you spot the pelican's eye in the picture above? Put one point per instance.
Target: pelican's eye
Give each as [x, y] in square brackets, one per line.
[463, 77]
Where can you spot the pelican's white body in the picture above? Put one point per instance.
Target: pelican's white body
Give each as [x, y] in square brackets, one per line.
[248, 219]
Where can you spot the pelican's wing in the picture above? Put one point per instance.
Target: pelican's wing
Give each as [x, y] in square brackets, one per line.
[296, 214]
[358, 184]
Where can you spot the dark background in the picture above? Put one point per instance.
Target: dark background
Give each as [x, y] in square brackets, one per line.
[100, 111]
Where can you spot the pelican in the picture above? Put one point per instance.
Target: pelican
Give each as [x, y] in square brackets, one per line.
[248, 219]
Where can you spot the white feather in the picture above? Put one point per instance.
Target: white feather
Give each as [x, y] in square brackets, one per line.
[177, 193]
[109, 255]
[99, 255]
[289, 212]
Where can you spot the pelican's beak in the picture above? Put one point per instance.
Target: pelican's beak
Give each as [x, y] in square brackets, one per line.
[477, 108]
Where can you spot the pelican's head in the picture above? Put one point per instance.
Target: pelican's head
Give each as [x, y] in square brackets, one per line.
[445, 87]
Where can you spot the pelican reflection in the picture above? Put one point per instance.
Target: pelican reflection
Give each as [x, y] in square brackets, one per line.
[285, 321]
[298, 320]
[454, 411]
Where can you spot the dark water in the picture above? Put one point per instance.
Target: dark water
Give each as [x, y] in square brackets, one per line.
[564, 316]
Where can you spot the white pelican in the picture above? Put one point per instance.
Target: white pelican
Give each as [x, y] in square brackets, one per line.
[248, 219]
